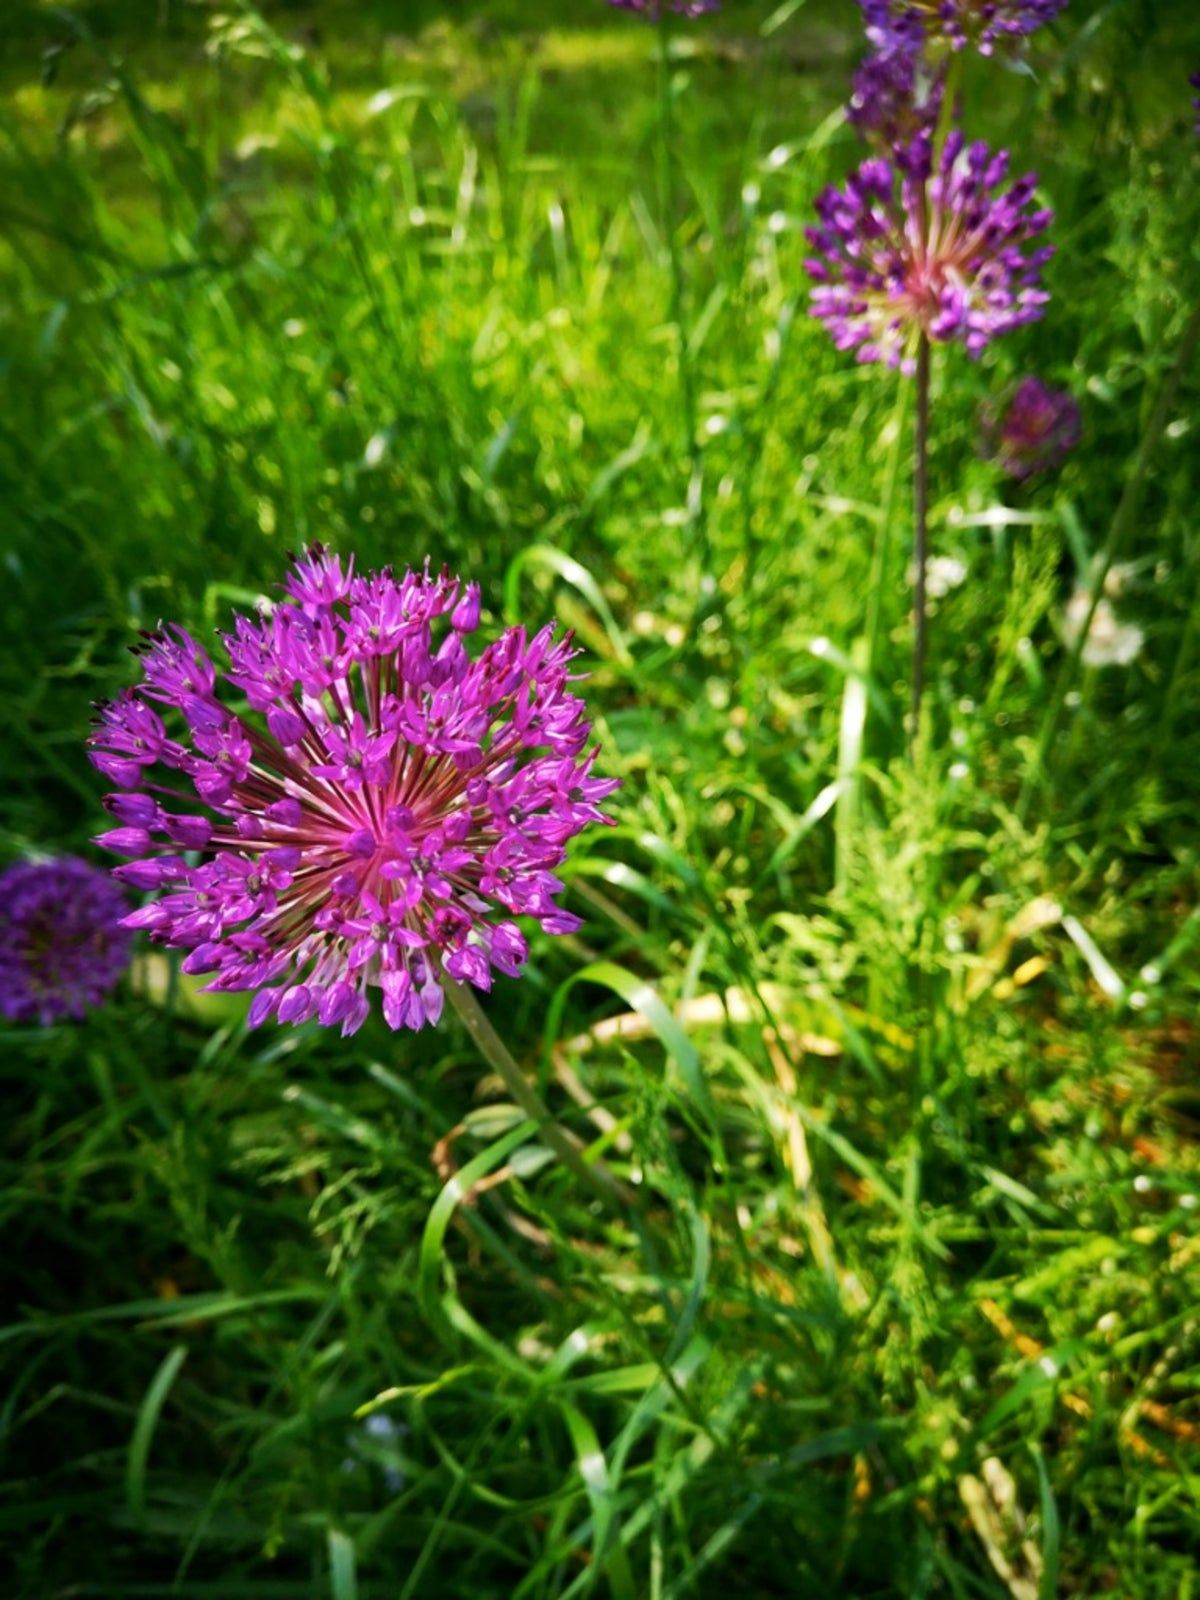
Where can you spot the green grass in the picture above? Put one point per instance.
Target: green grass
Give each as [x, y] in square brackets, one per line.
[911, 1307]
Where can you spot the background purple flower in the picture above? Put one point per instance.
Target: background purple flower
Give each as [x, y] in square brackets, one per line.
[384, 811]
[895, 96]
[653, 8]
[1036, 429]
[1194, 80]
[62, 945]
[901, 250]
[982, 24]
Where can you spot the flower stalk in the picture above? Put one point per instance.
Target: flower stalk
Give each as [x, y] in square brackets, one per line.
[665, 173]
[920, 531]
[593, 1174]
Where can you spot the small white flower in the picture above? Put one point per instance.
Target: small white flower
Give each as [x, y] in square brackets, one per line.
[942, 573]
[376, 449]
[1110, 642]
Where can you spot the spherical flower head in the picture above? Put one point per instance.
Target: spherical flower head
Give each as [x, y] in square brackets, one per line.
[377, 809]
[1034, 432]
[895, 96]
[939, 25]
[653, 8]
[904, 250]
[62, 943]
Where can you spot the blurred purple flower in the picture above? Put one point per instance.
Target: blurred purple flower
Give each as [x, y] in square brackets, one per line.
[653, 8]
[982, 24]
[903, 250]
[62, 945]
[1037, 428]
[1194, 80]
[895, 96]
[382, 813]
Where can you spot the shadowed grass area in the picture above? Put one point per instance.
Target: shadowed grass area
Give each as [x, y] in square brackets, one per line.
[903, 1065]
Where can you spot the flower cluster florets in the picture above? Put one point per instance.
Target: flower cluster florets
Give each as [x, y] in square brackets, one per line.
[1037, 428]
[904, 249]
[62, 945]
[373, 815]
[895, 96]
[907, 25]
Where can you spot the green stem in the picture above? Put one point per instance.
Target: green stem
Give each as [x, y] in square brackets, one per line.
[920, 530]
[881, 549]
[951, 84]
[945, 121]
[665, 164]
[1123, 520]
[569, 1150]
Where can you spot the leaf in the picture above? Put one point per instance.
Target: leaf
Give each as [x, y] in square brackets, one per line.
[572, 572]
[441, 1306]
[147, 1421]
[642, 997]
[598, 1485]
[343, 1567]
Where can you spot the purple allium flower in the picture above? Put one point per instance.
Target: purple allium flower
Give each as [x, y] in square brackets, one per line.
[62, 943]
[1034, 431]
[895, 96]
[903, 250]
[653, 8]
[983, 24]
[382, 810]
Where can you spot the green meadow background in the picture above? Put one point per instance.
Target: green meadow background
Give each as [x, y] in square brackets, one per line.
[901, 1053]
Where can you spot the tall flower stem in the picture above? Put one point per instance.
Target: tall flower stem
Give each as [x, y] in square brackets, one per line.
[595, 1175]
[665, 172]
[945, 122]
[920, 529]
[1123, 520]
[882, 547]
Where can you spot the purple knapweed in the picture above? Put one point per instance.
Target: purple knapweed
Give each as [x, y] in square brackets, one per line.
[378, 815]
[62, 943]
[954, 24]
[1037, 428]
[902, 250]
[653, 8]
